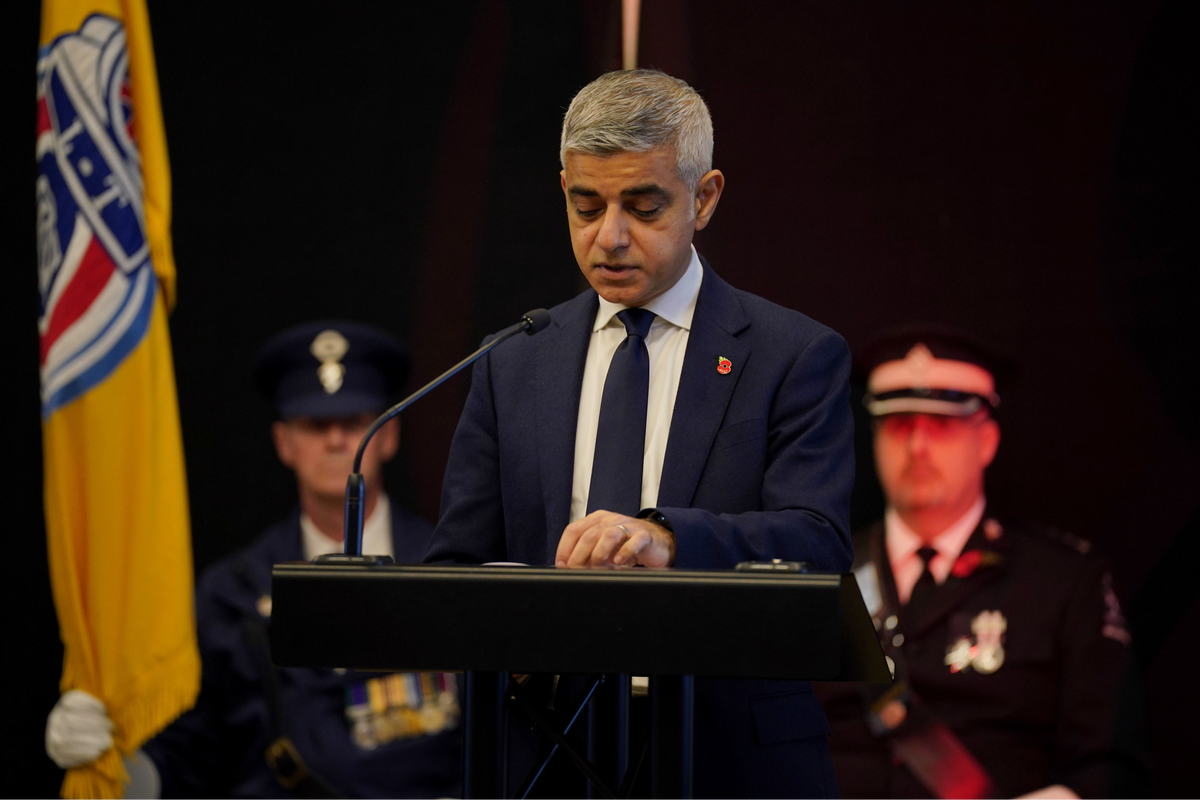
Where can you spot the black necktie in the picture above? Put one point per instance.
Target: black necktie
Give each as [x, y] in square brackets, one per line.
[621, 432]
[923, 589]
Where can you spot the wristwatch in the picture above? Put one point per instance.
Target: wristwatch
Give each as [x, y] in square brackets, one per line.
[655, 516]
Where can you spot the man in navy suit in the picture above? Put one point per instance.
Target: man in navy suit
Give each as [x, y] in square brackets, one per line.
[747, 445]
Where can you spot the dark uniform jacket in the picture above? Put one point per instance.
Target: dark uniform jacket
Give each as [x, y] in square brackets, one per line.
[217, 749]
[759, 464]
[1033, 689]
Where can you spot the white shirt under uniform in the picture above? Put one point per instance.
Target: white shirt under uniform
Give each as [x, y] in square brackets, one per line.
[666, 343]
[903, 544]
[377, 534]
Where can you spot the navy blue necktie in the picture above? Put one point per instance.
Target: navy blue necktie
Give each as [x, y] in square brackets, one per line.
[621, 433]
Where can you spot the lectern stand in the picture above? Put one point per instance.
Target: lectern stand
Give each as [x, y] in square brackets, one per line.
[491, 622]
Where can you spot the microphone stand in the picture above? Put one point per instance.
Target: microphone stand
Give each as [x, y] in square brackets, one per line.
[531, 323]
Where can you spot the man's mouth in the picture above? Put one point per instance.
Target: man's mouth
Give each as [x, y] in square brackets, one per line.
[615, 270]
[921, 472]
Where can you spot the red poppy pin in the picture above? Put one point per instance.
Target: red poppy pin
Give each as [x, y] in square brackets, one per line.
[724, 365]
[971, 560]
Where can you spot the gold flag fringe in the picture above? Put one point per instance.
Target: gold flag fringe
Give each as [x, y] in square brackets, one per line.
[165, 697]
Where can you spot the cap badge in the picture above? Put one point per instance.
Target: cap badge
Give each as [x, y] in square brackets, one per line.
[724, 365]
[919, 359]
[920, 356]
[329, 347]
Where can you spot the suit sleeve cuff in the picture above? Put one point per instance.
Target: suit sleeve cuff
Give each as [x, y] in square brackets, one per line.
[655, 516]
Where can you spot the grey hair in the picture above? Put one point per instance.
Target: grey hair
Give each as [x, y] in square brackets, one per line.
[633, 111]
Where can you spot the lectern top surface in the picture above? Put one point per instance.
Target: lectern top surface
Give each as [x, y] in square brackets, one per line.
[508, 571]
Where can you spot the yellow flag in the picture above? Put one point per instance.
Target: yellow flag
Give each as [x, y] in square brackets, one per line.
[115, 489]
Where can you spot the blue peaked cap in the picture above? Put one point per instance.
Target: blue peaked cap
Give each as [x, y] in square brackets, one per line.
[331, 368]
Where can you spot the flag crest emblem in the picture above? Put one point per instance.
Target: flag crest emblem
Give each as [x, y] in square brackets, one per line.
[95, 278]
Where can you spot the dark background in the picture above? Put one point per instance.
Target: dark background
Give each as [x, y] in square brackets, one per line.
[1025, 169]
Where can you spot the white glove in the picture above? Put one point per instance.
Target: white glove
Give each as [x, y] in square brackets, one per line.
[78, 730]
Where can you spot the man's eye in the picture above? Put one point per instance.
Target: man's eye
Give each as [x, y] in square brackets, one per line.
[360, 422]
[897, 424]
[587, 213]
[646, 213]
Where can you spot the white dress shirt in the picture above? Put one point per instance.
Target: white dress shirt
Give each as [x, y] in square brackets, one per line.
[377, 534]
[666, 343]
[903, 544]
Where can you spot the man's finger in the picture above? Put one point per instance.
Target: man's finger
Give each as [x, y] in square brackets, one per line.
[566, 545]
[582, 551]
[571, 535]
[637, 541]
[570, 538]
[582, 554]
[607, 542]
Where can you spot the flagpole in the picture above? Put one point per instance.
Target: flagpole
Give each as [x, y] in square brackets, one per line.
[630, 19]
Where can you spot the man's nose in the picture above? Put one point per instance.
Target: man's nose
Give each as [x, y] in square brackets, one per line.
[918, 440]
[614, 231]
[336, 436]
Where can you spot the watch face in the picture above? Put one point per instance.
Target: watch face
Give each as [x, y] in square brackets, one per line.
[655, 516]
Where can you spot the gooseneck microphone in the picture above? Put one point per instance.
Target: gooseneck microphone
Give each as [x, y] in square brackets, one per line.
[531, 322]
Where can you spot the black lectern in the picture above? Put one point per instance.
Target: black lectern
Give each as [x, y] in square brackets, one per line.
[493, 621]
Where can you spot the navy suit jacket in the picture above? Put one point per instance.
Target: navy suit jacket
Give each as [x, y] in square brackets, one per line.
[759, 465]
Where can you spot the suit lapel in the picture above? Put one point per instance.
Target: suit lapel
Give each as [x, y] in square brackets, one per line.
[951, 594]
[561, 352]
[704, 393]
[887, 582]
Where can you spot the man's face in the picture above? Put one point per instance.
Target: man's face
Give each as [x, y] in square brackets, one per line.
[928, 462]
[320, 450]
[632, 221]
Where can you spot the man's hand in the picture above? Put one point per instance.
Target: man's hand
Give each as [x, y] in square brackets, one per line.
[1055, 792]
[78, 730]
[604, 537]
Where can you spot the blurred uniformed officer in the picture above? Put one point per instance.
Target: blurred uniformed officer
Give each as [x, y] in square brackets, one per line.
[262, 731]
[1010, 648]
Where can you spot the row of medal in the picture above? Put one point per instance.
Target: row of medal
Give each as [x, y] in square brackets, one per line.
[401, 705]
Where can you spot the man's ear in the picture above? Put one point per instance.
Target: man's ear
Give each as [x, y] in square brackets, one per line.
[708, 194]
[282, 438]
[989, 441]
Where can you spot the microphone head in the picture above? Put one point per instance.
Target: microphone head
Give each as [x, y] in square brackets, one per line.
[537, 320]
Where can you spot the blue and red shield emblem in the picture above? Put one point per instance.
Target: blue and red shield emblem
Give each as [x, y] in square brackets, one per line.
[94, 274]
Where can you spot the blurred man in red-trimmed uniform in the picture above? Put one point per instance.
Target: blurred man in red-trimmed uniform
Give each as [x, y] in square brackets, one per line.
[1011, 653]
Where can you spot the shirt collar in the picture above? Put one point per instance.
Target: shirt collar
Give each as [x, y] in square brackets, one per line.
[903, 542]
[676, 305]
[377, 538]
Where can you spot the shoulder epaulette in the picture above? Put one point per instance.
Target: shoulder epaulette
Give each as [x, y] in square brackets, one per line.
[1067, 538]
